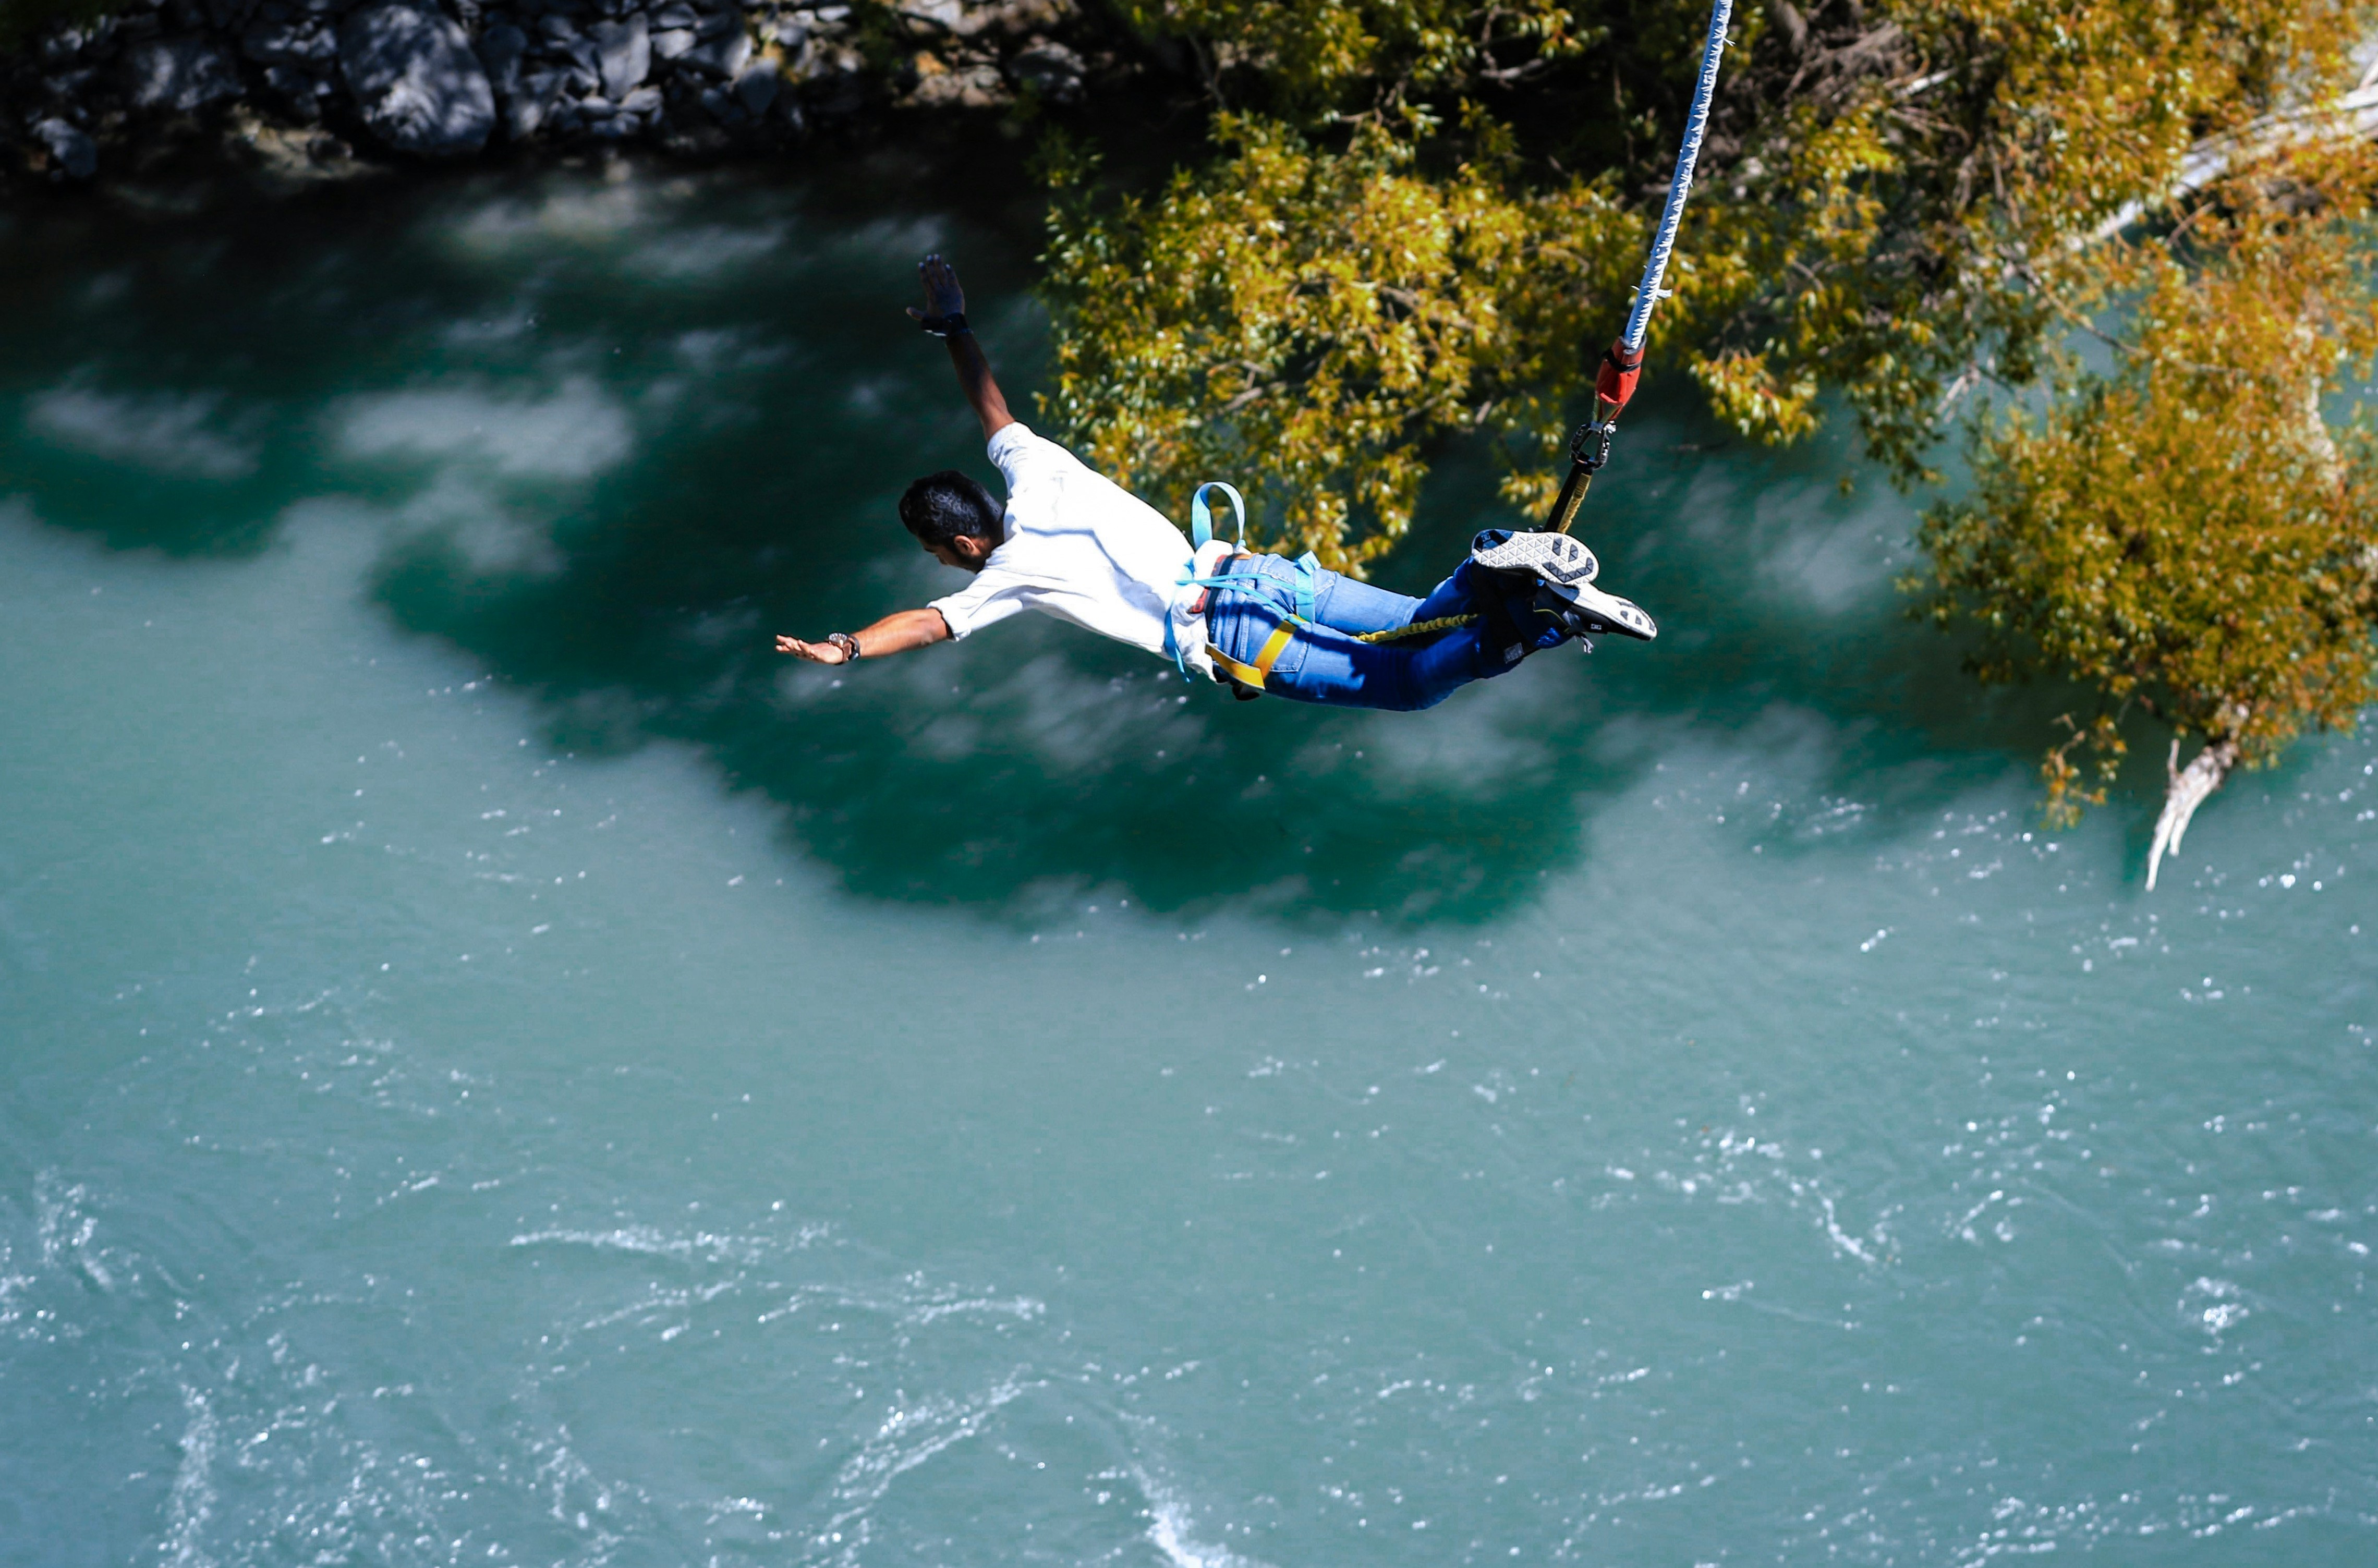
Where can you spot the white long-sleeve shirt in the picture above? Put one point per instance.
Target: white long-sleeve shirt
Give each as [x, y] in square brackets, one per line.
[1082, 548]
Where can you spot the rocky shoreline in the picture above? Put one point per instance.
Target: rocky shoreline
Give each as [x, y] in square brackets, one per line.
[321, 89]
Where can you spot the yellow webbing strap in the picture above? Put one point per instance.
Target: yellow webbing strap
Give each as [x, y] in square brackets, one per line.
[1251, 676]
[1274, 646]
[1246, 674]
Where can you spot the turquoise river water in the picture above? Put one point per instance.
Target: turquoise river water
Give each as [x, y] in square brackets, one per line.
[498, 1067]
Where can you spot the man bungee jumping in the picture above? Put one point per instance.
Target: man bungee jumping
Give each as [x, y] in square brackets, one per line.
[1072, 543]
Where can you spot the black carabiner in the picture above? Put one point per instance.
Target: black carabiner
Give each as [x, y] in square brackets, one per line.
[1589, 448]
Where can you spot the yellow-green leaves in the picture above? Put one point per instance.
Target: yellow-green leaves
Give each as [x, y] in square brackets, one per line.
[1303, 319]
[1317, 56]
[2186, 532]
[1923, 206]
[1919, 210]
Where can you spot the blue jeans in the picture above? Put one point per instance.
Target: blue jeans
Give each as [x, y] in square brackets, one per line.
[1323, 664]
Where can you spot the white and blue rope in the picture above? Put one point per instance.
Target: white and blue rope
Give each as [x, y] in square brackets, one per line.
[1648, 293]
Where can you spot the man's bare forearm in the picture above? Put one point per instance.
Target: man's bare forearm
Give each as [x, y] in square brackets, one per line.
[974, 379]
[896, 633]
[944, 306]
[901, 631]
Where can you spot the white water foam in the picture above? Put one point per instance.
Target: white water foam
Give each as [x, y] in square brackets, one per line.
[1167, 1531]
[908, 1436]
[192, 1500]
[651, 1242]
[905, 1308]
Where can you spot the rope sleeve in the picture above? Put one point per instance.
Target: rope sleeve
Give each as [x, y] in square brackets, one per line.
[1621, 367]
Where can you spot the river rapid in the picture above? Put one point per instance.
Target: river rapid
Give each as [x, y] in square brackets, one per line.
[498, 1067]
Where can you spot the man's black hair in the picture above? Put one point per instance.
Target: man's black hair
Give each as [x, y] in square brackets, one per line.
[941, 507]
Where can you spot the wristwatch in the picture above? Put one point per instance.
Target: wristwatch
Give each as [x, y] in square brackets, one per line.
[948, 326]
[847, 643]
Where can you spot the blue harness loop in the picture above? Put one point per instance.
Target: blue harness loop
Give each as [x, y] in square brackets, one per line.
[1201, 518]
[1201, 533]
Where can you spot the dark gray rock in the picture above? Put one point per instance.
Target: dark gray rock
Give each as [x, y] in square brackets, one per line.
[725, 55]
[1048, 68]
[500, 50]
[833, 82]
[179, 74]
[757, 87]
[75, 153]
[669, 43]
[298, 92]
[418, 84]
[973, 85]
[944, 14]
[525, 111]
[644, 101]
[586, 57]
[624, 56]
[306, 42]
[677, 15]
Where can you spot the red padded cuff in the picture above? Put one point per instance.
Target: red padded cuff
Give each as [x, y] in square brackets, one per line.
[1621, 367]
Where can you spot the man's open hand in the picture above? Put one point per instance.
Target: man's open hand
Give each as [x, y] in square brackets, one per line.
[943, 294]
[816, 652]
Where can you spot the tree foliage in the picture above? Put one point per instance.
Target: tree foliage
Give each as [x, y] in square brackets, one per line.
[1922, 197]
[1372, 55]
[1421, 216]
[1310, 318]
[2184, 531]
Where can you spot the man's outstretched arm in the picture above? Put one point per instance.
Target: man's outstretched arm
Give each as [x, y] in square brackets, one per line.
[944, 298]
[896, 633]
[903, 629]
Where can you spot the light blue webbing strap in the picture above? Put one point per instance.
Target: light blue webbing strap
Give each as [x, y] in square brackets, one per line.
[1253, 675]
[1308, 573]
[1201, 519]
[1201, 533]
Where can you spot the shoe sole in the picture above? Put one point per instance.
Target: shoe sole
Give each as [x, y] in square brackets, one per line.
[1551, 558]
[1595, 612]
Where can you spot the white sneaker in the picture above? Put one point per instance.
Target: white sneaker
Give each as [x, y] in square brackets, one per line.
[1554, 558]
[1590, 612]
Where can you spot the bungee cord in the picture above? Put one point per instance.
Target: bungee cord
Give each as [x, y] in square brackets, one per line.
[1622, 363]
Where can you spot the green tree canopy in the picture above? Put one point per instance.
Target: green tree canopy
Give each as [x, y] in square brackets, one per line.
[1421, 216]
